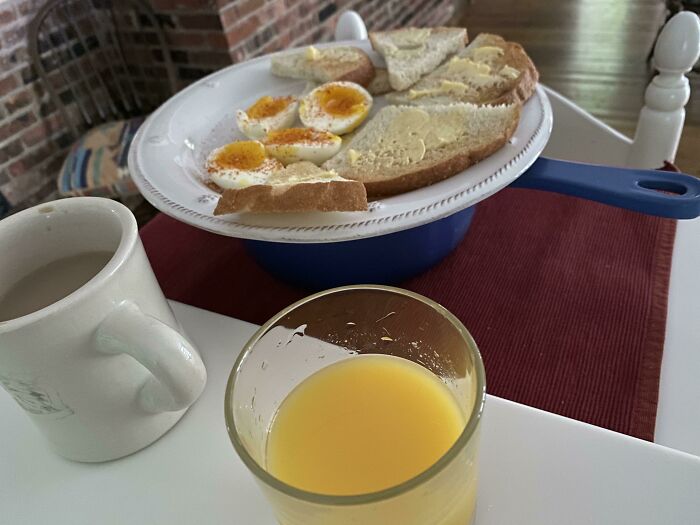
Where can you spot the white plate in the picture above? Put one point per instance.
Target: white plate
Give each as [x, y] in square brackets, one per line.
[536, 468]
[167, 156]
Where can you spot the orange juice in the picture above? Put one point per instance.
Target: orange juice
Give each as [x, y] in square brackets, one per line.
[362, 425]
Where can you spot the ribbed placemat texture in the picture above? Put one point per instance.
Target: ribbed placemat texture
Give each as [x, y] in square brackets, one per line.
[565, 298]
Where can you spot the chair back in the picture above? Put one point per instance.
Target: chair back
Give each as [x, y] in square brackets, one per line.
[100, 60]
[661, 120]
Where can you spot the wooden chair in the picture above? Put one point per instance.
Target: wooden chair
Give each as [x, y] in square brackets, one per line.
[673, 7]
[660, 121]
[105, 65]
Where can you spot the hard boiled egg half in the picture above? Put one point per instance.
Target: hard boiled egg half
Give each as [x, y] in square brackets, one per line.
[298, 144]
[267, 114]
[241, 164]
[337, 107]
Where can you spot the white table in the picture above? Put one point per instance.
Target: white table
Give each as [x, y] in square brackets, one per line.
[678, 416]
[536, 467]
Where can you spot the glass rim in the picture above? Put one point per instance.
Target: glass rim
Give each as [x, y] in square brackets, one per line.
[369, 497]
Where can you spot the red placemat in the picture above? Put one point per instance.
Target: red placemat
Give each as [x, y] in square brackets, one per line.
[566, 298]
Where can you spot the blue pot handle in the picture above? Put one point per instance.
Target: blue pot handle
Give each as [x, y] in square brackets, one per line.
[633, 189]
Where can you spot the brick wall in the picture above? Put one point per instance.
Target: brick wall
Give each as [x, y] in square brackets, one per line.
[255, 27]
[206, 35]
[33, 138]
[202, 35]
[195, 37]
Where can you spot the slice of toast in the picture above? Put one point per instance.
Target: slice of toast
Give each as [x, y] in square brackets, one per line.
[413, 52]
[300, 187]
[325, 65]
[407, 147]
[489, 70]
[380, 83]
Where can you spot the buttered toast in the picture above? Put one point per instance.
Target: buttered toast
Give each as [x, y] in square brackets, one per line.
[413, 52]
[406, 147]
[325, 65]
[299, 187]
[490, 70]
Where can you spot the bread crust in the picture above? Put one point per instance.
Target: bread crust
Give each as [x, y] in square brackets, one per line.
[363, 74]
[303, 197]
[380, 83]
[526, 83]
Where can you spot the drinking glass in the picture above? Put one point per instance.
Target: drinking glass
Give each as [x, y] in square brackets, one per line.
[344, 323]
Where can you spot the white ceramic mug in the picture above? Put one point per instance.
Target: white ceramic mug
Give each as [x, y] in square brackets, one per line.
[104, 371]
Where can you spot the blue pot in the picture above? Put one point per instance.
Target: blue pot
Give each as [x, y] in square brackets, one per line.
[386, 259]
[395, 257]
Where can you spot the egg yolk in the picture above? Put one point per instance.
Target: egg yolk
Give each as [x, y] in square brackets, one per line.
[341, 101]
[268, 106]
[296, 135]
[242, 155]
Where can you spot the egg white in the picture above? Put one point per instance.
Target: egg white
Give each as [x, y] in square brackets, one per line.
[234, 178]
[314, 116]
[313, 151]
[257, 128]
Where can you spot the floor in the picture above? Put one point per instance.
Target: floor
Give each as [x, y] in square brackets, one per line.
[593, 52]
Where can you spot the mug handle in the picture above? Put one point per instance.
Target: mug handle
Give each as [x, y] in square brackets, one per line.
[178, 374]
